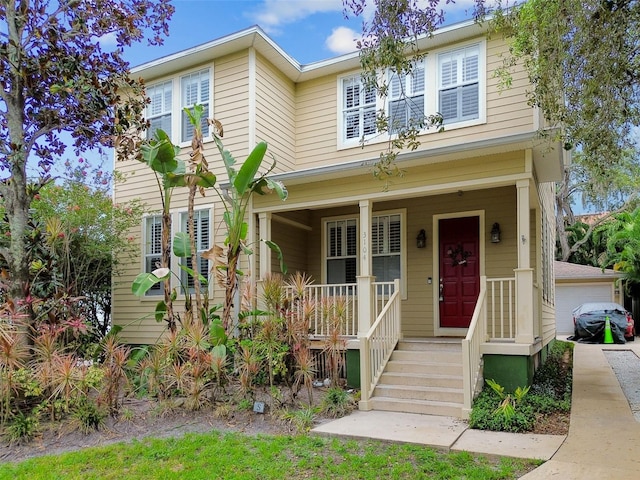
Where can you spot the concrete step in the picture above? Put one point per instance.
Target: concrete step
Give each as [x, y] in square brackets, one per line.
[402, 366]
[424, 407]
[413, 392]
[436, 356]
[431, 345]
[421, 380]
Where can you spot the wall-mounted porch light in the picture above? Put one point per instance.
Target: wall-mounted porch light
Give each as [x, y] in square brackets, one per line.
[495, 233]
[421, 239]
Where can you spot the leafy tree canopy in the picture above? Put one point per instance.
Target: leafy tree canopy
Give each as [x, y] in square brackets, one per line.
[57, 75]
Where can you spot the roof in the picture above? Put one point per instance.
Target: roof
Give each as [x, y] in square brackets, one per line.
[573, 271]
[255, 37]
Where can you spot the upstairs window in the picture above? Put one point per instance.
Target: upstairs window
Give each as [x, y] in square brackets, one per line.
[358, 109]
[158, 111]
[202, 236]
[153, 250]
[406, 98]
[194, 90]
[458, 84]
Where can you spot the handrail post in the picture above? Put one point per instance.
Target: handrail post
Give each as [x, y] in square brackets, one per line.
[365, 311]
[365, 374]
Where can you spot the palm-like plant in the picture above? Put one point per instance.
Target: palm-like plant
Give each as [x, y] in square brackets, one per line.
[623, 245]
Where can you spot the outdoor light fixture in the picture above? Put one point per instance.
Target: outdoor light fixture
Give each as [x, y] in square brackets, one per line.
[421, 239]
[495, 233]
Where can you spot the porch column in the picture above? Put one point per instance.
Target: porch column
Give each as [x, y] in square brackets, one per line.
[524, 272]
[365, 303]
[364, 280]
[264, 220]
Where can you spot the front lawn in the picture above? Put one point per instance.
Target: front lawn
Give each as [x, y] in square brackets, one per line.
[218, 455]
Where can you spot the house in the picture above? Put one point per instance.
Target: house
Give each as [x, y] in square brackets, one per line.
[448, 272]
[578, 284]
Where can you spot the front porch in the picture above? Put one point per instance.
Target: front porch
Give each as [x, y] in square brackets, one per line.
[440, 375]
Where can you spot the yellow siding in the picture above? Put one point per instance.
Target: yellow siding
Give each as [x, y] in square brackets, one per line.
[275, 113]
[231, 102]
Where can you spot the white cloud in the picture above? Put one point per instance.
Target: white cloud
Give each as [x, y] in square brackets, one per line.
[108, 40]
[274, 14]
[342, 40]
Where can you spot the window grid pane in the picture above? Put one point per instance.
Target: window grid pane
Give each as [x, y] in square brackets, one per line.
[153, 250]
[358, 109]
[201, 226]
[406, 99]
[195, 90]
[158, 112]
[459, 87]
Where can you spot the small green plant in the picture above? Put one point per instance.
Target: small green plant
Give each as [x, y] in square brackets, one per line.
[301, 420]
[22, 427]
[245, 404]
[337, 403]
[89, 415]
[509, 402]
[127, 414]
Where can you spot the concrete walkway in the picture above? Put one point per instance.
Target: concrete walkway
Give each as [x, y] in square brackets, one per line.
[603, 435]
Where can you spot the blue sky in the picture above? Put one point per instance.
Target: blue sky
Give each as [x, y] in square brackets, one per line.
[308, 30]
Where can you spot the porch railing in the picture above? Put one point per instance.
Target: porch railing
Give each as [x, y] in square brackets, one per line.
[343, 296]
[378, 344]
[319, 300]
[471, 355]
[501, 293]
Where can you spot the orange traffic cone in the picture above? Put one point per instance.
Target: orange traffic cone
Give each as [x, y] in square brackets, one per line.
[608, 337]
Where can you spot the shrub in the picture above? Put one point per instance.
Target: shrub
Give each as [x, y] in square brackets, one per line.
[337, 403]
[550, 392]
[22, 427]
[89, 415]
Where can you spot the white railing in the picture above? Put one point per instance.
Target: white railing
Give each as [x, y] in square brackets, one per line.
[471, 355]
[319, 301]
[382, 292]
[501, 309]
[378, 344]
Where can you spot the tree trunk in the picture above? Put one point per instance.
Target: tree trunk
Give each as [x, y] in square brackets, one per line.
[231, 286]
[564, 215]
[166, 260]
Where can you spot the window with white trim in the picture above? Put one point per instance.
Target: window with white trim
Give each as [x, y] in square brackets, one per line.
[201, 223]
[341, 250]
[458, 84]
[153, 249]
[406, 100]
[341, 240]
[158, 111]
[358, 109]
[450, 82]
[194, 90]
[386, 247]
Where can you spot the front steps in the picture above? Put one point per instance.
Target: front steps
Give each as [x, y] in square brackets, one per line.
[422, 376]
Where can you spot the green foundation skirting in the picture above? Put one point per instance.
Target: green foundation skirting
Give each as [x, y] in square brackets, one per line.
[510, 371]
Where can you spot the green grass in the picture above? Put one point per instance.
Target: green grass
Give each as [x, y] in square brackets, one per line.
[236, 456]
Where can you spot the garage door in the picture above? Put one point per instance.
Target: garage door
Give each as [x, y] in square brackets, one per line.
[569, 297]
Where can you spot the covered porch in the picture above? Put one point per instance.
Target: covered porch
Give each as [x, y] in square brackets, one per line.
[501, 314]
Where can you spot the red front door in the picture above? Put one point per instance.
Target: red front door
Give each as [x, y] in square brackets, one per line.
[459, 270]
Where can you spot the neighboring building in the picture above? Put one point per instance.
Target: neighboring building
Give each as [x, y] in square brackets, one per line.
[480, 280]
[578, 284]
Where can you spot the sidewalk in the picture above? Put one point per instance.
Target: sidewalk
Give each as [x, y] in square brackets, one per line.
[603, 440]
[604, 436]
